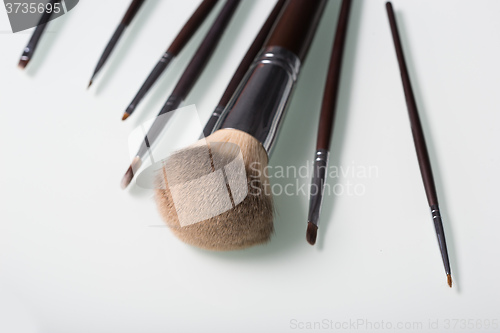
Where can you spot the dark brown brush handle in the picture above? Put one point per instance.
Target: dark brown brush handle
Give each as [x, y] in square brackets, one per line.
[205, 50]
[191, 26]
[297, 25]
[416, 127]
[251, 53]
[327, 117]
[245, 64]
[131, 11]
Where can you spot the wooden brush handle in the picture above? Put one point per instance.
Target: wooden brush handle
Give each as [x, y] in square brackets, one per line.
[131, 11]
[191, 26]
[297, 25]
[327, 117]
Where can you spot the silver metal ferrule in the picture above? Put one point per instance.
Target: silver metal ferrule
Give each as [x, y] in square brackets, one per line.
[438, 225]
[212, 122]
[436, 214]
[258, 106]
[317, 185]
[166, 57]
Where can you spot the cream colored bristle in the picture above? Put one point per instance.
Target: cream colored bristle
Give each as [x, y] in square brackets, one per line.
[188, 190]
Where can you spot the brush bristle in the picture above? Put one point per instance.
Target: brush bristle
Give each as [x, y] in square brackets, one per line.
[129, 175]
[449, 280]
[23, 63]
[312, 232]
[127, 178]
[190, 177]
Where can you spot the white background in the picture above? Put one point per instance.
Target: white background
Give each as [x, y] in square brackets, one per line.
[78, 254]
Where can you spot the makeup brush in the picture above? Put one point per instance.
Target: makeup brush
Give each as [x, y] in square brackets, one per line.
[194, 182]
[29, 50]
[127, 18]
[420, 146]
[174, 49]
[184, 85]
[243, 67]
[326, 123]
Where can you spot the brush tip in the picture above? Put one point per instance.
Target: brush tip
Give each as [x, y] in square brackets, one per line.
[449, 279]
[125, 115]
[23, 62]
[312, 232]
[90, 83]
[127, 178]
[129, 175]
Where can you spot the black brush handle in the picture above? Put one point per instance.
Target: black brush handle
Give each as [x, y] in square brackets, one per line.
[131, 12]
[29, 50]
[416, 126]
[420, 146]
[191, 74]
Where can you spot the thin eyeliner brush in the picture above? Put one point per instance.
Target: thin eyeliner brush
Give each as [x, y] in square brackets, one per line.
[326, 124]
[420, 146]
[247, 60]
[127, 18]
[29, 50]
[174, 49]
[184, 85]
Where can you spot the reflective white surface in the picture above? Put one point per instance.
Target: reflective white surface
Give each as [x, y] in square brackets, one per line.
[78, 254]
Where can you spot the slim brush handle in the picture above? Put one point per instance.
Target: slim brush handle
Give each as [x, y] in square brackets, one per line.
[46, 15]
[29, 50]
[205, 51]
[327, 116]
[420, 146]
[246, 62]
[177, 45]
[191, 26]
[416, 127]
[131, 12]
[297, 25]
[326, 123]
[191, 74]
[127, 18]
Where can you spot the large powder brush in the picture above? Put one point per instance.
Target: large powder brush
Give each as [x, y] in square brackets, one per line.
[249, 219]
[215, 193]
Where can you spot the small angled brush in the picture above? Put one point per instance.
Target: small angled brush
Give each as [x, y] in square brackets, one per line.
[184, 85]
[326, 124]
[420, 146]
[127, 18]
[243, 67]
[29, 50]
[175, 48]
